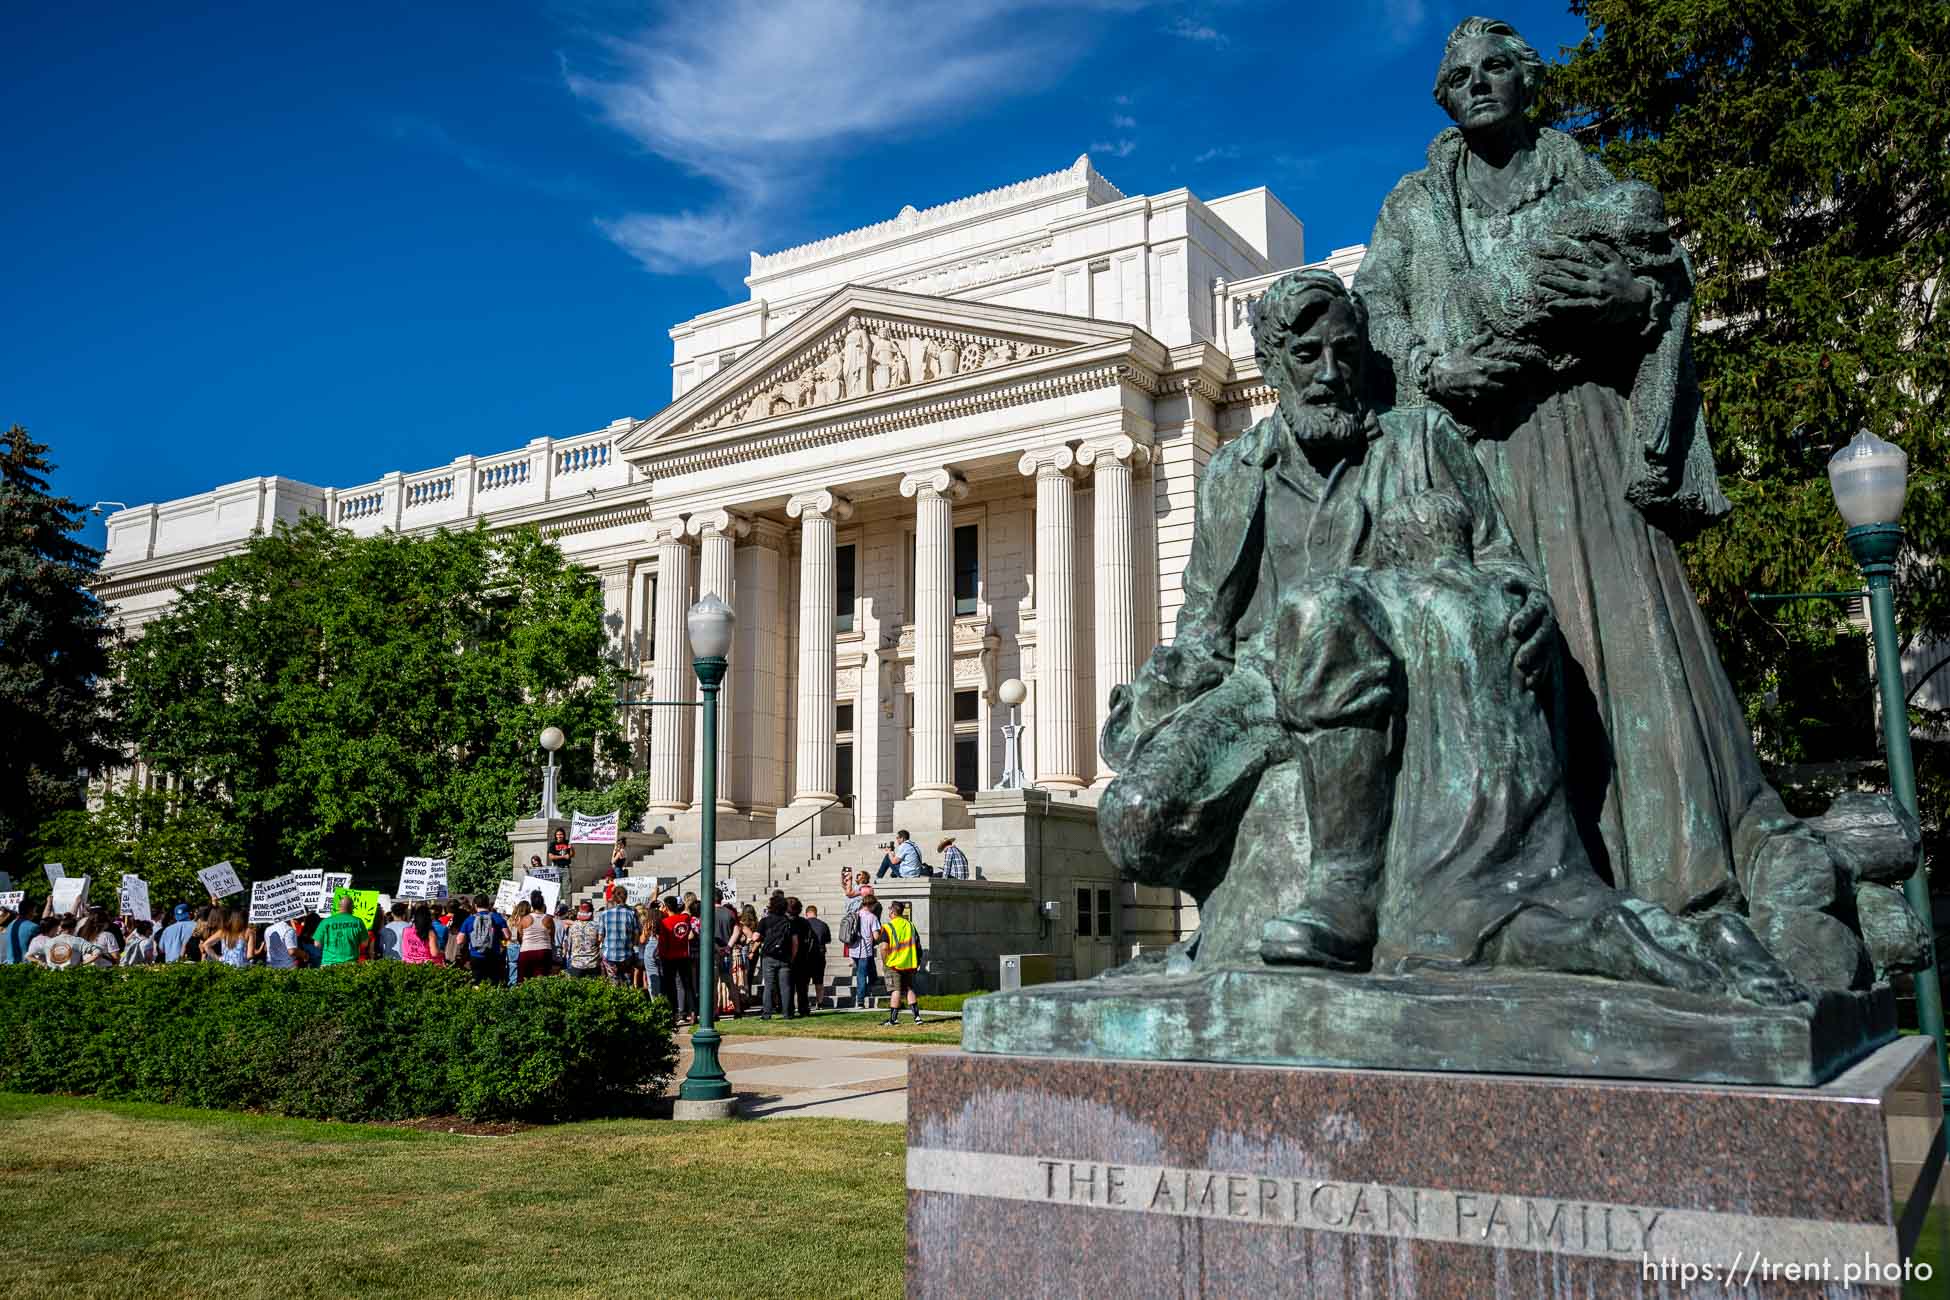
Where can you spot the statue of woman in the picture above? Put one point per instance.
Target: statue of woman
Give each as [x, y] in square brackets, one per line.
[1516, 283]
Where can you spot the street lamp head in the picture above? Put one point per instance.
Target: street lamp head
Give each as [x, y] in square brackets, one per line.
[553, 739]
[709, 623]
[1012, 692]
[1869, 478]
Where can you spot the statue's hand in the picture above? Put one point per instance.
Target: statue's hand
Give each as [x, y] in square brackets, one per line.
[1532, 629]
[1592, 279]
[1470, 374]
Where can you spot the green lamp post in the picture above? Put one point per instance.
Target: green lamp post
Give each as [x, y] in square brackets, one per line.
[1870, 479]
[706, 1093]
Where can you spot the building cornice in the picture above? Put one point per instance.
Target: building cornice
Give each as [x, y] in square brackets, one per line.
[1078, 177]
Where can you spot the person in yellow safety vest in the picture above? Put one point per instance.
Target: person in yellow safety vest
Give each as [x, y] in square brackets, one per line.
[902, 958]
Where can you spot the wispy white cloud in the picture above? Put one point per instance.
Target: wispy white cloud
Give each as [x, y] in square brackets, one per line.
[1191, 29]
[683, 241]
[1119, 148]
[759, 96]
[1217, 152]
[1123, 121]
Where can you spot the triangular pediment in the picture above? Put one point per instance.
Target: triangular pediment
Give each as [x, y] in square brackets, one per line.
[861, 347]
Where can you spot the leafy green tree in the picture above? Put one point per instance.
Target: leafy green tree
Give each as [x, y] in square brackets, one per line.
[144, 833]
[1800, 148]
[355, 700]
[627, 797]
[54, 648]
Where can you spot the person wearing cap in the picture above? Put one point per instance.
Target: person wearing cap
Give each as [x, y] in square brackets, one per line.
[954, 863]
[583, 942]
[175, 937]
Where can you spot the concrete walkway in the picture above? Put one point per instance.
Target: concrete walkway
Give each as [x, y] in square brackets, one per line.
[827, 1078]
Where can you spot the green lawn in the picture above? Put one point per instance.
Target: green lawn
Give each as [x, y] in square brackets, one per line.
[116, 1199]
[866, 1025]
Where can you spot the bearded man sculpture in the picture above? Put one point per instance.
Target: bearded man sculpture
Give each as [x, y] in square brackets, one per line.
[1359, 632]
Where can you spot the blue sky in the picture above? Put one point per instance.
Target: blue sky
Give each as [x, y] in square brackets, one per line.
[328, 243]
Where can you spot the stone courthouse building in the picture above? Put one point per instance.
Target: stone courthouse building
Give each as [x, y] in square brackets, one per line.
[923, 457]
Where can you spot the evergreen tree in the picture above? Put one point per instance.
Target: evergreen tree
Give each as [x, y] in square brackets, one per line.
[54, 648]
[1800, 145]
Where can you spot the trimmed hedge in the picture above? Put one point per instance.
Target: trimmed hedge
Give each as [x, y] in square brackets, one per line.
[381, 1040]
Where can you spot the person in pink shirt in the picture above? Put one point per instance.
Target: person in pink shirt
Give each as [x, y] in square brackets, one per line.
[417, 943]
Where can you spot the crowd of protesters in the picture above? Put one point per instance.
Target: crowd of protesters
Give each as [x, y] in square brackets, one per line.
[774, 962]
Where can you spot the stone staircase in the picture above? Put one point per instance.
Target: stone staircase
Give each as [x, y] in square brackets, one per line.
[806, 869]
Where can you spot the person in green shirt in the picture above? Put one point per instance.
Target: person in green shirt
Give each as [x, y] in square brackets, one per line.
[339, 936]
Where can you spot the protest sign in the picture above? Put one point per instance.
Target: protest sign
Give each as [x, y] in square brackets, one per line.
[505, 896]
[135, 898]
[584, 829]
[278, 899]
[551, 889]
[385, 905]
[640, 889]
[546, 873]
[730, 888]
[11, 900]
[422, 878]
[70, 894]
[311, 890]
[365, 903]
[221, 880]
[334, 881]
[54, 872]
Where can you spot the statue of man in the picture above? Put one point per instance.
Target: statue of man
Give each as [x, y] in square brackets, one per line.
[1347, 755]
[1286, 506]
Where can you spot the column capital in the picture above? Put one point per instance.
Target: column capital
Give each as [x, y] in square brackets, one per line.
[767, 534]
[939, 479]
[719, 521]
[671, 529]
[821, 501]
[1119, 447]
[1040, 462]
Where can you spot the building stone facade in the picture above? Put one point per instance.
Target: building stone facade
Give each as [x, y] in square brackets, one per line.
[923, 457]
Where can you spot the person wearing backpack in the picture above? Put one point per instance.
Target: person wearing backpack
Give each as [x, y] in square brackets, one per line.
[860, 932]
[486, 934]
[778, 944]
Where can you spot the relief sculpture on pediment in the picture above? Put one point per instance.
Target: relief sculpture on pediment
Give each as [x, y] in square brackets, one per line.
[866, 358]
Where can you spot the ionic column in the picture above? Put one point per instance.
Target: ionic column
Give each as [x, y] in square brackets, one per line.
[671, 677]
[717, 532]
[819, 514]
[1057, 767]
[1115, 461]
[935, 492]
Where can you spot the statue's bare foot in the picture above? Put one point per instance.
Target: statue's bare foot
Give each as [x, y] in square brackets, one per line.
[1613, 943]
[1750, 971]
[1304, 940]
[1623, 939]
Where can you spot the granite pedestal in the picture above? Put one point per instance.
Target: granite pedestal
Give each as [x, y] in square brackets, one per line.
[1062, 1176]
